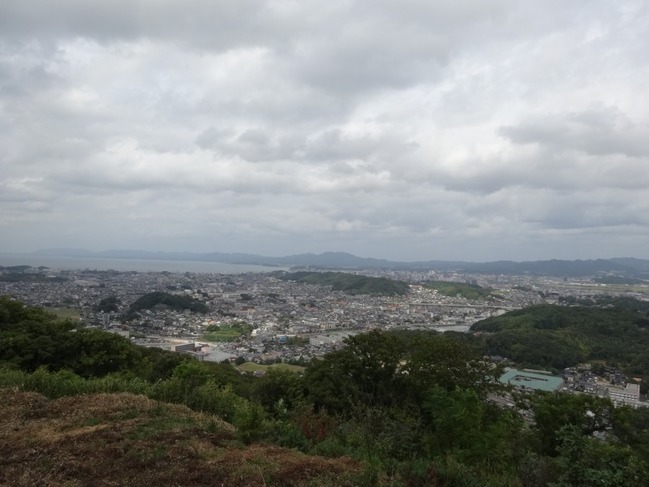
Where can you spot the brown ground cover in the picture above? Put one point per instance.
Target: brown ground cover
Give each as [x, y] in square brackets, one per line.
[125, 439]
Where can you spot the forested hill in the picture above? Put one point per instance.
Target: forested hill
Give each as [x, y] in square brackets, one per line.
[351, 283]
[173, 301]
[465, 290]
[550, 336]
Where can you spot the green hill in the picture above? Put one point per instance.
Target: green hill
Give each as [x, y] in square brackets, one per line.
[549, 336]
[173, 301]
[464, 290]
[351, 283]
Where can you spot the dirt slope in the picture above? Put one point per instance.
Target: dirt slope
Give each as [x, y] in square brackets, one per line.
[124, 439]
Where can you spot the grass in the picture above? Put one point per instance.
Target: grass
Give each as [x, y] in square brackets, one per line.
[253, 367]
[86, 440]
[66, 313]
[160, 427]
[225, 333]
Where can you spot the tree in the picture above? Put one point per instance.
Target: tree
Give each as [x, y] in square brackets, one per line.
[552, 412]
[95, 353]
[585, 461]
[279, 386]
[434, 360]
[395, 370]
[366, 371]
[462, 423]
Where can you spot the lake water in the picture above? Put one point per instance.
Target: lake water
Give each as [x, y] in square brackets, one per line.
[125, 265]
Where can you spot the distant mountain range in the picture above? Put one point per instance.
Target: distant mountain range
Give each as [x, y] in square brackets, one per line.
[627, 266]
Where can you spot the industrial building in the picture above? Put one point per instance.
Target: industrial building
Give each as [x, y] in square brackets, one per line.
[528, 379]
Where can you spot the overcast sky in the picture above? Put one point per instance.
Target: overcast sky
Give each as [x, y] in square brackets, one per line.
[410, 129]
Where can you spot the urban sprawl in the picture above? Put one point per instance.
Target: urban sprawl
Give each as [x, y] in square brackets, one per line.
[294, 322]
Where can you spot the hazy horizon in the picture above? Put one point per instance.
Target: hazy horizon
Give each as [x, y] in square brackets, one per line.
[77, 253]
[477, 131]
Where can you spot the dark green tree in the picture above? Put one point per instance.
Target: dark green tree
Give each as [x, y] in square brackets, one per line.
[554, 411]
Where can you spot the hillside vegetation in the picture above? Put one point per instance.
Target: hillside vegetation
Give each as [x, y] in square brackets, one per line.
[351, 283]
[555, 337]
[173, 301]
[86, 407]
[618, 280]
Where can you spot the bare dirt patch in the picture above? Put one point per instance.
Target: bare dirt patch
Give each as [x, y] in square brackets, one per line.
[125, 439]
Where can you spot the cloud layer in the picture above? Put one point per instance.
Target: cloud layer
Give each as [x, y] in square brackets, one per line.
[474, 130]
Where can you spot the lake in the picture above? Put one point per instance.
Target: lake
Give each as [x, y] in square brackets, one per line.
[125, 265]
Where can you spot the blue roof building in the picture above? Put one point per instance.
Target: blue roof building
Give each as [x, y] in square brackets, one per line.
[531, 380]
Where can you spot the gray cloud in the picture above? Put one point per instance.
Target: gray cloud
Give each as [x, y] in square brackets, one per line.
[201, 22]
[477, 130]
[594, 132]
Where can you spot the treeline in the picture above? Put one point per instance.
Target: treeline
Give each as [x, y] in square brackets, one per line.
[555, 337]
[412, 406]
[31, 338]
[351, 283]
[618, 280]
[606, 301]
[27, 273]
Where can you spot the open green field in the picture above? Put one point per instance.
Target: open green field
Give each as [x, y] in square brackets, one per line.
[226, 333]
[66, 313]
[252, 367]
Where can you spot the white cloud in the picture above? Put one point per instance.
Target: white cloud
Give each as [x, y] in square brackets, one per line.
[414, 130]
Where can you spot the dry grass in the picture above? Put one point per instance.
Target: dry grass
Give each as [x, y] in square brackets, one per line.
[252, 367]
[124, 439]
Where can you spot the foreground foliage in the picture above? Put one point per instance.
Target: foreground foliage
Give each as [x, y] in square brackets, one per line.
[403, 408]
